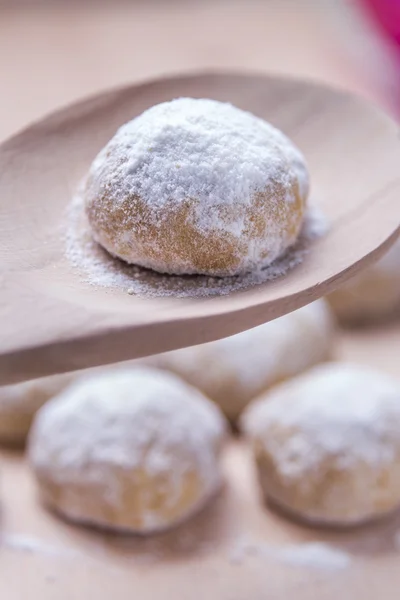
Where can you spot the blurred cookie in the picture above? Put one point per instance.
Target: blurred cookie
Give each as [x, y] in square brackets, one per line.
[373, 295]
[234, 370]
[134, 450]
[327, 444]
[19, 403]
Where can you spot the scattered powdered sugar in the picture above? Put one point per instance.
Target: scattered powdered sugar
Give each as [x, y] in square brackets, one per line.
[311, 555]
[192, 186]
[314, 555]
[346, 413]
[97, 267]
[127, 421]
[143, 550]
[25, 543]
[35, 546]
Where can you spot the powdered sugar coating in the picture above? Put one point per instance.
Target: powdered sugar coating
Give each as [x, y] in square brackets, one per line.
[328, 443]
[342, 410]
[97, 267]
[233, 370]
[134, 449]
[20, 401]
[197, 172]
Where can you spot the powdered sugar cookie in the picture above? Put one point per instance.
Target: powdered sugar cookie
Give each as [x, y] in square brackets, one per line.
[19, 403]
[133, 450]
[327, 444]
[197, 187]
[234, 370]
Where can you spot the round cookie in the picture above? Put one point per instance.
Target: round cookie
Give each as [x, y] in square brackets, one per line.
[197, 187]
[234, 370]
[133, 450]
[327, 444]
[373, 295]
[19, 403]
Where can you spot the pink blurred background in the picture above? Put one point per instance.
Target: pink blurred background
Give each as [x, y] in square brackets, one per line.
[386, 14]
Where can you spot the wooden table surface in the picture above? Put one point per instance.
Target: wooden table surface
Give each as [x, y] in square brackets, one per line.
[231, 551]
[52, 53]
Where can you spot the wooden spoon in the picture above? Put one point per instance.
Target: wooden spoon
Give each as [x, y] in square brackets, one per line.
[52, 321]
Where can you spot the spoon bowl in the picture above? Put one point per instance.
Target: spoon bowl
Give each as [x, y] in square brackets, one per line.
[52, 320]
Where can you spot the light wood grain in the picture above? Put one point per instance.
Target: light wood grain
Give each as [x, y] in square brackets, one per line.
[55, 52]
[202, 559]
[50, 321]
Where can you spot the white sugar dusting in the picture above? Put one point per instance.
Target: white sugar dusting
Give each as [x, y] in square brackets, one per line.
[316, 555]
[347, 413]
[295, 341]
[197, 148]
[192, 186]
[33, 545]
[139, 419]
[97, 267]
[197, 169]
[311, 555]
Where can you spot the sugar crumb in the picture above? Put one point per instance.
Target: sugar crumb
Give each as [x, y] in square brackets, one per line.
[98, 268]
